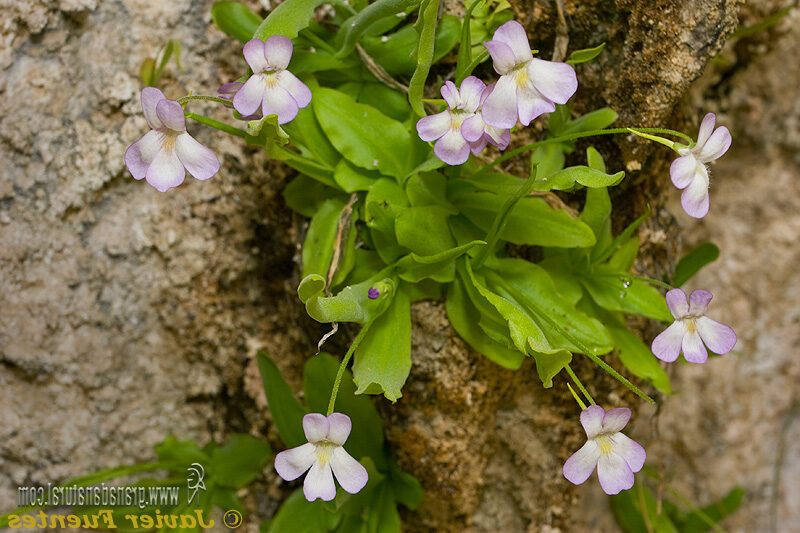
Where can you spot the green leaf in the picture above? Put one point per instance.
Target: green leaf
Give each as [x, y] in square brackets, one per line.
[395, 52]
[235, 19]
[178, 452]
[383, 359]
[366, 137]
[298, 515]
[630, 507]
[424, 230]
[691, 263]
[587, 54]
[564, 180]
[385, 200]
[388, 101]
[440, 266]
[366, 437]
[351, 304]
[596, 120]
[532, 287]
[697, 521]
[426, 30]
[548, 160]
[368, 16]
[306, 195]
[407, 489]
[311, 168]
[531, 221]
[306, 132]
[288, 19]
[382, 516]
[320, 240]
[463, 316]
[623, 259]
[428, 188]
[600, 255]
[287, 413]
[597, 215]
[617, 291]
[560, 270]
[239, 461]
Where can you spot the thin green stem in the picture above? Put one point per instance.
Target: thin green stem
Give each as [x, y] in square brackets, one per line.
[579, 385]
[652, 281]
[227, 128]
[343, 365]
[572, 137]
[186, 99]
[576, 397]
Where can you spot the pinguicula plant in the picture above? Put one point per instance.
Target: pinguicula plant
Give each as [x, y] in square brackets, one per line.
[407, 201]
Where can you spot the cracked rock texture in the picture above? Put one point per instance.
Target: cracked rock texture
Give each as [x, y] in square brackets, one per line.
[126, 315]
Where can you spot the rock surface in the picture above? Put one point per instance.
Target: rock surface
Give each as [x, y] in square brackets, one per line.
[131, 314]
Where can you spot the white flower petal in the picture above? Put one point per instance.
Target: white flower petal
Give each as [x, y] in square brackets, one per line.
[718, 337]
[299, 90]
[592, 420]
[706, 129]
[319, 483]
[698, 302]
[171, 115]
[200, 161]
[616, 419]
[676, 301]
[166, 171]
[470, 92]
[556, 81]
[667, 345]
[531, 104]
[503, 59]
[350, 474]
[150, 98]
[716, 146]
[254, 55]
[316, 427]
[693, 349]
[450, 94]
[248, 98]
[694, 198]
[500, 107]
[614, 473]
[432, 127]
[682, 170]
[452, 148]
[140, 154]
[278, 50]
[513, 35]
[277, 101]
[291, 464]
[582, 463]
[340, 426]
[472, 128]
[630, 450]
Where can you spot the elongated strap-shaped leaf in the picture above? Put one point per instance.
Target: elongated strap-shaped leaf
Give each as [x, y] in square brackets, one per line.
[692, 262]
[426, 29]
[321, 238]
[235, 19]
[439, 267]
[465, 47]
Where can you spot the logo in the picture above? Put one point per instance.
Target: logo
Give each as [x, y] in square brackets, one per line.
[194, 481]
[232, 519]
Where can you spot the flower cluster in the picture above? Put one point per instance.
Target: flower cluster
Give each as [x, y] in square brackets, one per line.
[478, 114]
[167, 151]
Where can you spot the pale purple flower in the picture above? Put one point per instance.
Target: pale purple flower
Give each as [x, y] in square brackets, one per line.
[460, 128]
[691, 330]
[325, 456]
[164, 154]
[271, 87]
[229, 90]
[616, 456]
[528, 87]
[690, 173]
